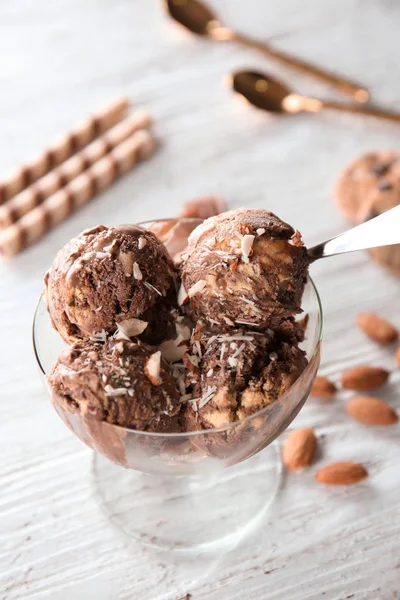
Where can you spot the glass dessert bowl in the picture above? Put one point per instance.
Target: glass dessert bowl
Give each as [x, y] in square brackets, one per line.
[174, 490]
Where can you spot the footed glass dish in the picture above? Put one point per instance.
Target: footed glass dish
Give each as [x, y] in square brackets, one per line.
[189, 490]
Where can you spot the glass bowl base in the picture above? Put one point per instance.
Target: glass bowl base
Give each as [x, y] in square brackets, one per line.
[195, 512]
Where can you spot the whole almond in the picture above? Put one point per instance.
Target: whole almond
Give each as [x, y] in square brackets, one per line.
[363, 378]
[299, 449]
[322, 387]
[371, 411]
[341, 473]
[397, 356]
[377, 328]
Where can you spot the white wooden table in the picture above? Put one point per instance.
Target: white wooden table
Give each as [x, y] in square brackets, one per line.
[60, 60]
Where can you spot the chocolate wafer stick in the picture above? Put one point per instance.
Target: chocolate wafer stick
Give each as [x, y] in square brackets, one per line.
[62, 149]
[37, 193]
[75, 194]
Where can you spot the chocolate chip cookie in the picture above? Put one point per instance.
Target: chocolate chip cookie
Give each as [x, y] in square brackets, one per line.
[368, 187]
[363, 177]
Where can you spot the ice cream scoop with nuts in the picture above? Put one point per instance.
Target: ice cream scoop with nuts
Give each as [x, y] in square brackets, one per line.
[119, 382]
[147, 354]
[237, 373]
[110, 277]
[245, 267]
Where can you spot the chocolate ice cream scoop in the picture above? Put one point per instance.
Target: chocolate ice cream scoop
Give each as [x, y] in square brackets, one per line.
[119, 382]
[244, 267]
[107, 276]
[237, 374]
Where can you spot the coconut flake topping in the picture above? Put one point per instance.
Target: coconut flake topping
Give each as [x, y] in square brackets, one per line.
[110, 391]
[100, 336]
[207, 396]
[232, 362]
[137, 273]
[185, 397]
[197, 288]
[246, 245]
[182, 295]
[141, 243]
[152, 287]
[130, 328]
[171, 351]
[228, 321]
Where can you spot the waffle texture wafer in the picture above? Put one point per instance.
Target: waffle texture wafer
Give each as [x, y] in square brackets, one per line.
[62, 149]
[78, 192]
[37, 193]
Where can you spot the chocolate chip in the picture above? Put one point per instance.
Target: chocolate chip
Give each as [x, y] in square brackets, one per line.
[385, 186]
[380, 169]
[371, 214]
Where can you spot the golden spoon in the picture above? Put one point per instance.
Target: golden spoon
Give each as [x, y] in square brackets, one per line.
[271, 95]
[198, 18]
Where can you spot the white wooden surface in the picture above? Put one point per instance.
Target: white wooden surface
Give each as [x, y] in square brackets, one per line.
[58, 61]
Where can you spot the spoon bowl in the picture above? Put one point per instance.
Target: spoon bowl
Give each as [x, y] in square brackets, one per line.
[192, 14]
[260, 90]
[270, 94]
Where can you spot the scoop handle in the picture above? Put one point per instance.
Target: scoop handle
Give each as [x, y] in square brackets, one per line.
[343, 85]
[368, 111]
[383, 230]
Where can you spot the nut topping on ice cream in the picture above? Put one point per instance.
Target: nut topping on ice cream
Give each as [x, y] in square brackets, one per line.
[109, 382]
[224, 344]
[105, 278]
[243, 268]
[239, 373]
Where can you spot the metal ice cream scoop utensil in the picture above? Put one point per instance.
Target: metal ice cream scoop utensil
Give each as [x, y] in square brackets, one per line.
[200, 19]
[269, 94]
[383, 230]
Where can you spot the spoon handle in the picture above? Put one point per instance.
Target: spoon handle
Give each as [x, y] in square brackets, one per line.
[343, 85]
[383, 230]
[362, 110]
